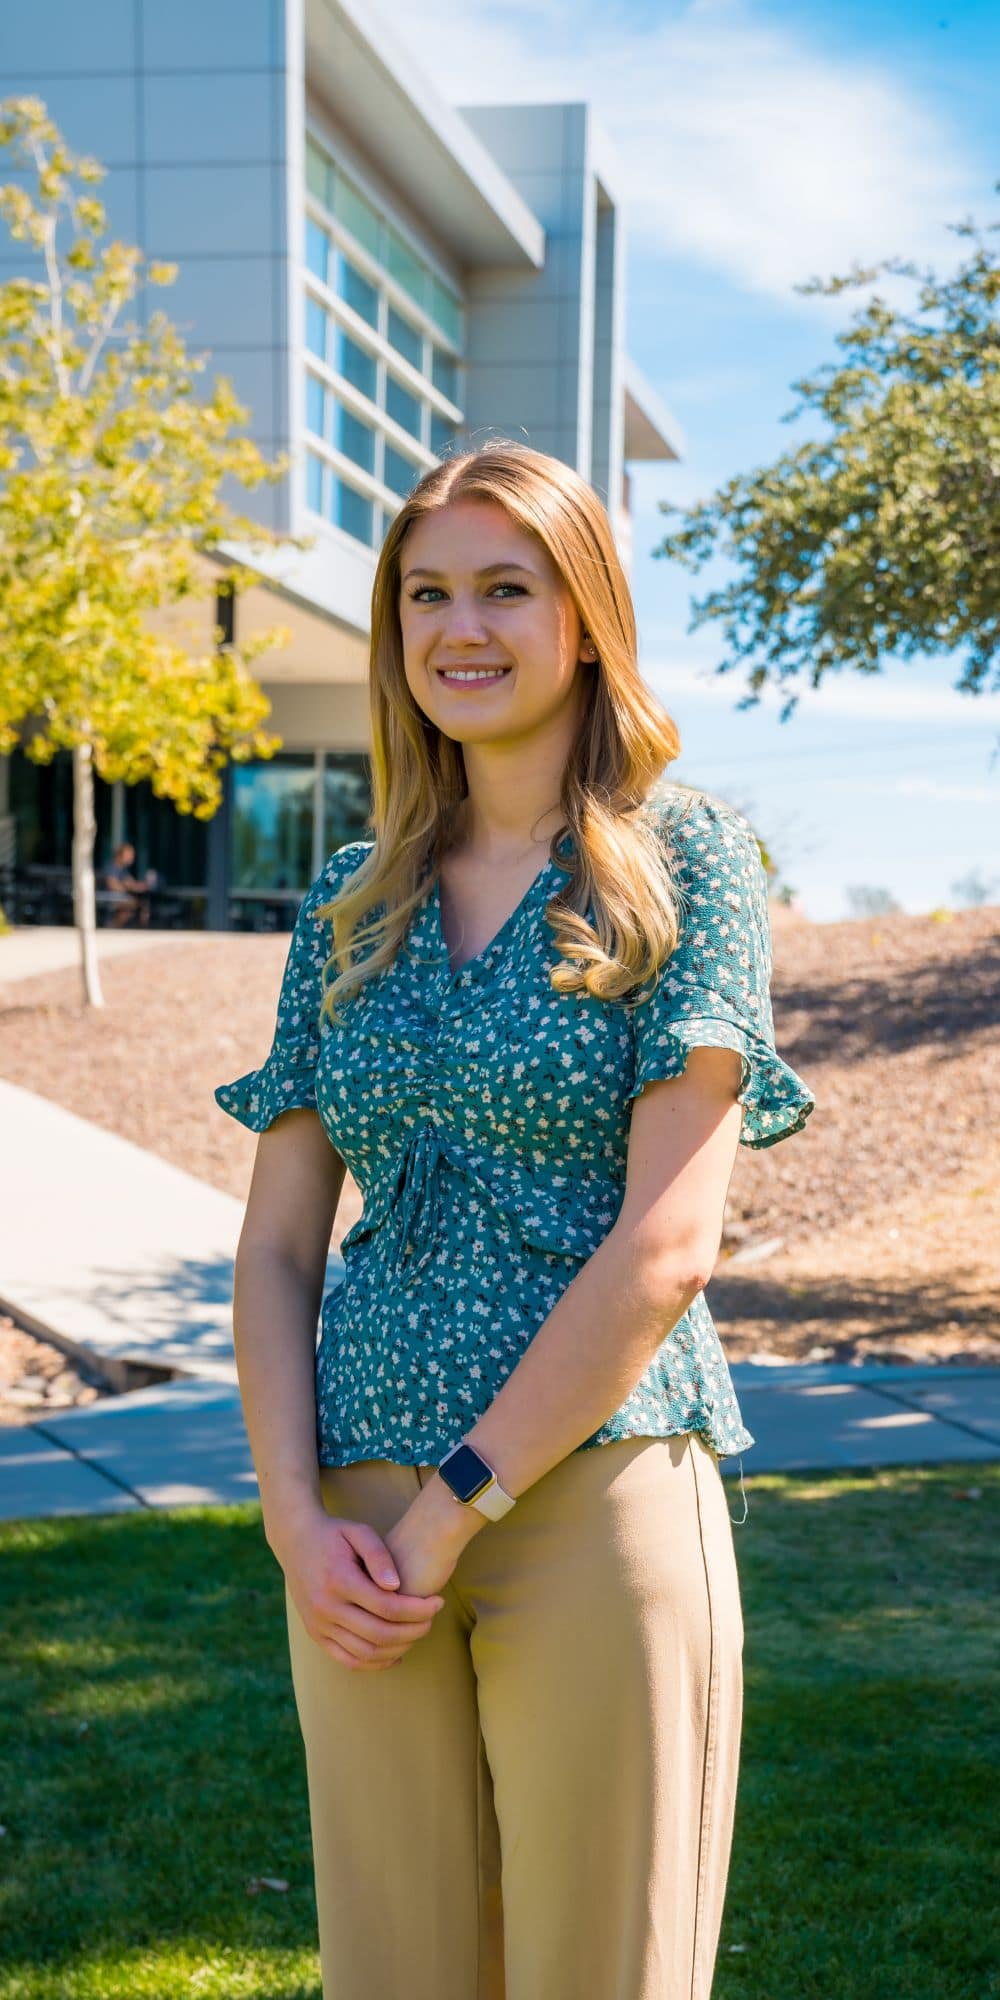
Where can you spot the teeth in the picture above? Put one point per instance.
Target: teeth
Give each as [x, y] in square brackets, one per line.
[479, 674]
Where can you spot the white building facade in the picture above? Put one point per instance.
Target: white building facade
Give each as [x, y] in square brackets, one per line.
[383, 278]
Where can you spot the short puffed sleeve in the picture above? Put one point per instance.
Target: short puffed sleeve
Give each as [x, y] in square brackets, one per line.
[287, 1080]
[714, 990]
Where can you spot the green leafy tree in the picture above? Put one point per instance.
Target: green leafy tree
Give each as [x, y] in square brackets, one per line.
[110, 474]
[882, 536]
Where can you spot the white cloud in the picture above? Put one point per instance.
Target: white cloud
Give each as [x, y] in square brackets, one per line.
[963, 795]
[739, 144]
[859, 696]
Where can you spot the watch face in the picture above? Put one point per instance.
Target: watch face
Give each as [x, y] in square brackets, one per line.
[465, 1472]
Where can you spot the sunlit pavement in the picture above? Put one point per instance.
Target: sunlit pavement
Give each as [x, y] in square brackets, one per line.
[129, 1259]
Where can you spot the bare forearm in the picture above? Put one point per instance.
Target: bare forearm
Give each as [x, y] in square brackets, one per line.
[274, 1329]
[582, 1363]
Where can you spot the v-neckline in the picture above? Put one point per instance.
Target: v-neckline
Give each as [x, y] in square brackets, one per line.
[499, 939]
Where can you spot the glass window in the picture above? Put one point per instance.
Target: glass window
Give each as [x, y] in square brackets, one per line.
[350, 510]
[406, 338]
[317, 248]
[354, 363]
[175, 844]
[317, 173]
[272, 826]
[444, 374]
[443, 434]
[347, 797]
[400, 473]
[351, 208]
[405, 266]
[354, 438]
[355, 290]
[316, 405]
[403, 408]
[316, 324]
[314, 482]
[445, 309]
[41, 801]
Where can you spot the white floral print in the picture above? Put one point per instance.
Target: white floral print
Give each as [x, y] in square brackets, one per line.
[486, 1117]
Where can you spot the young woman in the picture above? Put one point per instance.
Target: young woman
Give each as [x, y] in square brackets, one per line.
[531, 1015]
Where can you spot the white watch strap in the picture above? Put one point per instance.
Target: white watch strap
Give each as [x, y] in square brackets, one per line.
[493, 1501]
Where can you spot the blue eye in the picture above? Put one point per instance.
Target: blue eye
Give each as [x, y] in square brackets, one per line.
[416, 595]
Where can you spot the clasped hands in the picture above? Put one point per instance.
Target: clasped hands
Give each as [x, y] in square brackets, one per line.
[340, 1576]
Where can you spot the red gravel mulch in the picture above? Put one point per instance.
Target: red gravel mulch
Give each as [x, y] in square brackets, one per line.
[873, 1232]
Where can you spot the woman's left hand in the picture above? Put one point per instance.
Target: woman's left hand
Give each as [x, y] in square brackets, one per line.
[426, 1541]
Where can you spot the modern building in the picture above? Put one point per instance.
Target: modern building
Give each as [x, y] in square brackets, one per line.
[382, 277]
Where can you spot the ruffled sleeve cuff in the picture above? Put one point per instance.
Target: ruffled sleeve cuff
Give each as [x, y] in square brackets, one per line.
[776, 1102]
[285, 1082]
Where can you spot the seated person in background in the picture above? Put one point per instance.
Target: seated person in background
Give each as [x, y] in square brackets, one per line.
[131, 895]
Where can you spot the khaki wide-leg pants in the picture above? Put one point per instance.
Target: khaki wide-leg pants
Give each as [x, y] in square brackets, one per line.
[538, 1803]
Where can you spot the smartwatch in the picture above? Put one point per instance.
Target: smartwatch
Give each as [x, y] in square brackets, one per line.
[475, 1483]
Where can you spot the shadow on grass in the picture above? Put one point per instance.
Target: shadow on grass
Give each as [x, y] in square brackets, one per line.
[155, 1767]
[862, 1813]
[152, 1765]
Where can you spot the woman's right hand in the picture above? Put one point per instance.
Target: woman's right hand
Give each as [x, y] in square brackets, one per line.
[330, 1565]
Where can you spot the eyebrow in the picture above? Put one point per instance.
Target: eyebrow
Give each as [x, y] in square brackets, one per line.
[491, 569]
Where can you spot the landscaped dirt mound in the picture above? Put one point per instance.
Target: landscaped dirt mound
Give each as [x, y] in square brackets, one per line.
[873, 1231]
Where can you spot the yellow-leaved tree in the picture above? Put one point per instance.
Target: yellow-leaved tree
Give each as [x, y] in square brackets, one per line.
[110, 472]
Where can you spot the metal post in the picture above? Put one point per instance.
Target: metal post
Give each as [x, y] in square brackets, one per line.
[117, 814]
[319, 831]
[220, 825]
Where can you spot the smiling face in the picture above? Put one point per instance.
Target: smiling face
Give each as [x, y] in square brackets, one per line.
[481, 596]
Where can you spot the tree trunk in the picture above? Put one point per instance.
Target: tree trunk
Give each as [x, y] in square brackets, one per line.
[84, 904]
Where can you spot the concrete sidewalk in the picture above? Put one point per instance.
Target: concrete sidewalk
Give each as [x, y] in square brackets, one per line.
[120, 1258]
[125, 1258]
[27, 949]
[110, 1249]
[185, 1443]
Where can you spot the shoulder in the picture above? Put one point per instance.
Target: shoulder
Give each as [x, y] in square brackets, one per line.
[716, 867]
[334, 875]
[704, 834]
[345, 862]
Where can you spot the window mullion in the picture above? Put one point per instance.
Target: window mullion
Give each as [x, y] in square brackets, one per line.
[372, 325]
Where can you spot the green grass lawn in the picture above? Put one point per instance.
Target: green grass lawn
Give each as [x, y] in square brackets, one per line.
[151, 1765]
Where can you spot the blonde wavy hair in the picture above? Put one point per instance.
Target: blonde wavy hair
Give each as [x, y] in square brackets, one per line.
[625, 740]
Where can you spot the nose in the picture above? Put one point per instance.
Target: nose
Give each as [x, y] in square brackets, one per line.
[464, 620]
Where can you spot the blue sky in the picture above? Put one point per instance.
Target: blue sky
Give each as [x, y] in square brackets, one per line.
[759, 145]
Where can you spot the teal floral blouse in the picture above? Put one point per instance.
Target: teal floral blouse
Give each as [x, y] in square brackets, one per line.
[486, 1119]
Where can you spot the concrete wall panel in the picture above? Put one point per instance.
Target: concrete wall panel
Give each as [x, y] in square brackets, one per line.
[536, 136]
[208, 119]
[225, 301]
[252, 372]
[225, 35]
[65, 37]
[198, 210]
[95, 114]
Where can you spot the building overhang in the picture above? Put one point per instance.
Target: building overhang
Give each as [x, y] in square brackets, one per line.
[369, 81]
[651, 432]
[317, 648]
